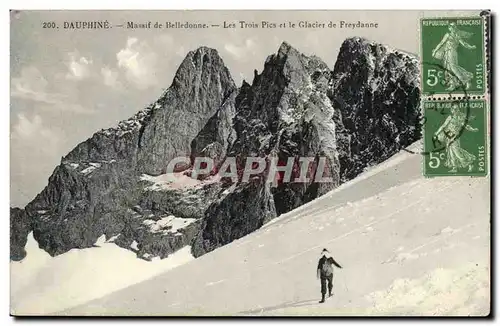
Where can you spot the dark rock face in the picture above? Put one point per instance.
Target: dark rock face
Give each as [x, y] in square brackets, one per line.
[376, 91]
[202, 87]
[115, 183]
[235, 215]
[284, 113]
[20, 227]
[218, 134]
[118, 144]
[81, 202]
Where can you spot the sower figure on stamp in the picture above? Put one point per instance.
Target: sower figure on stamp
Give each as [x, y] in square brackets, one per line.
[325, 273]
[447, 52]
[449, 132]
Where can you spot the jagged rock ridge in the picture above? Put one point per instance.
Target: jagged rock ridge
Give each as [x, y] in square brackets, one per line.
[115, 183]
[284, 113]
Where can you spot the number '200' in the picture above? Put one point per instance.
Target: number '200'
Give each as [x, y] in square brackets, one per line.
[49, 25]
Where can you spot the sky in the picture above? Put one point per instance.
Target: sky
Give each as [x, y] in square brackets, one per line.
[67, 84]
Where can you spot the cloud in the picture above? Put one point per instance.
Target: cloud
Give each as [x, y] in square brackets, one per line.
[78, 67]
[26, 130]
[165, 40]
[35, 149]
[138, 61]
[166, 43]
[31, 78]
[245, 50]
[181, 51]
[110, 77]
[32, 85]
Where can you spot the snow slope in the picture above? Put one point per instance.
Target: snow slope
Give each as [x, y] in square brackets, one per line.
[44, 284]
[409, 246]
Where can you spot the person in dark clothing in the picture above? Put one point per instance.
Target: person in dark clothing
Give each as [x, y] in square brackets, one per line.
[325, 273]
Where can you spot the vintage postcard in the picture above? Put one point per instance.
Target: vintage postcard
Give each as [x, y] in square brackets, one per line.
[250, 163]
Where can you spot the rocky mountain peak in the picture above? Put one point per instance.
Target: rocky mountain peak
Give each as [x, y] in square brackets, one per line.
[116, 183]
[202, 50]
[374, 56]
[287, 57]
[285, 48]
[201, 58]
[202, 85]
[203, 64]
[245, 84]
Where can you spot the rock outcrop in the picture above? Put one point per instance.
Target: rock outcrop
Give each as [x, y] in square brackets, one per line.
[376, 92]
[20, 227]
[115, 183]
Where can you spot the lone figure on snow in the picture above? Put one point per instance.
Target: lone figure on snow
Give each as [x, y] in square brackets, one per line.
[325, 273]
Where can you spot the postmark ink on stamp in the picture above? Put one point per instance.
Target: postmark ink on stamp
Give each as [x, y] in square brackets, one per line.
[455, 138]
[422, 118]
[455, 49]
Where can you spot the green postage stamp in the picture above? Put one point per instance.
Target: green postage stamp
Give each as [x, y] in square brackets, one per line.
[455, 138]
[453, 58]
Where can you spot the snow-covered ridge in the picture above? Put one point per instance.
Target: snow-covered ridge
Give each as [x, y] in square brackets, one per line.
[86, 168]
[44, 284]
[92, 167]
[396, 159]
[169, 181]
[177, 180]
[169, 224]
[443, 247]
[430, 293]
[397, 233]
